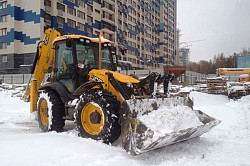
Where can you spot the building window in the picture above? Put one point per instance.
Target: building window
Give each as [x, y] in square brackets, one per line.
[4, 58]
[60, 20]
[3, 18]
[47, 3]
[90, 30]
[90, 19]
[90, 8]
[81, 3]
[71, 23]
[3, 45]
[47, 16]
[60, 7]
[80, 14]
[3, 5]
[3, 31]
[80, 26]
[71, 11]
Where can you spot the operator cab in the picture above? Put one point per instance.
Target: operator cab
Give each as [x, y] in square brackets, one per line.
[75, 57]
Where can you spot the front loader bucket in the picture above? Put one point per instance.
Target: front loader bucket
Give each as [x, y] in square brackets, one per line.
[154, 123]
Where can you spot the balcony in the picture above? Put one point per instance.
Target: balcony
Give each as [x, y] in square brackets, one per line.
[108, 8]
[47, 23]
[124, 18]
[112, 2]
[60, 25]
[90, 23]
[108, 29]
[60, 12]
[119, 16]
[90, 2]
[47, 9]
[119, 26]
[108, 18]
[89, 12]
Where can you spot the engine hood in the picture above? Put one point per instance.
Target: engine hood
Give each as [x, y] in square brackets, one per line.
[118, 76]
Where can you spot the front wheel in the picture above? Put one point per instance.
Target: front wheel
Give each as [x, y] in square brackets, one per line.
[50, 112]
[97, 116]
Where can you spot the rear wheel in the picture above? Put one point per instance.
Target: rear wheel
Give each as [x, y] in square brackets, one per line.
[50, 112]
[97, 116]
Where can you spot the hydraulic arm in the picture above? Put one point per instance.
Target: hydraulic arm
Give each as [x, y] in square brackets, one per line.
[42, 61]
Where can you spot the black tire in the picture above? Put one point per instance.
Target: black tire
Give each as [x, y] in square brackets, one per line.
[56, 112]
[111, 129]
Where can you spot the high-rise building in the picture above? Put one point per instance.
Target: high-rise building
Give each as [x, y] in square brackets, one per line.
[184, 54]
[144, 32]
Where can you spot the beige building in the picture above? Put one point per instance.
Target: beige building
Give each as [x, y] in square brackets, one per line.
[144, 32]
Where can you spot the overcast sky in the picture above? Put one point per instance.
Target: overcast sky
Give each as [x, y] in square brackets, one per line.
[223, 24]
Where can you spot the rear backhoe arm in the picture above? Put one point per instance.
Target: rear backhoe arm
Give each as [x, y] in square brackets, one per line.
[43, 59]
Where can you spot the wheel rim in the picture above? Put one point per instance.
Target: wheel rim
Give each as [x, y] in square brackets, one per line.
[92, 119]
[43, 109]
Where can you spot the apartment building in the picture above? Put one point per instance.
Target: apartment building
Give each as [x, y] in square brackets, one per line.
[143, 32]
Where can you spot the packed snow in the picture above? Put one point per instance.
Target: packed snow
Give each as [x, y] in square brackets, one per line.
[170, 119]
[23, 144]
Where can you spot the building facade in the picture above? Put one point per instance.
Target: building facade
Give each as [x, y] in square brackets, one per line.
[184, 54]
[144, 32]
[243, 61]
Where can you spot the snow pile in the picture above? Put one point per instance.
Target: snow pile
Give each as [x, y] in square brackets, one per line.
[16, 105]
[14, 113]
[236, 88]
[170, 119]
[187, 89]
[247, 83]
[174, 88]
[23, 144]
[202, 85]
[17, 90]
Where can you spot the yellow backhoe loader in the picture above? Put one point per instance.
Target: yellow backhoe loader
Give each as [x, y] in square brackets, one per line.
[105, 105]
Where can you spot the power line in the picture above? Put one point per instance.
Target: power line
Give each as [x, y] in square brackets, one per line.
[196, 41]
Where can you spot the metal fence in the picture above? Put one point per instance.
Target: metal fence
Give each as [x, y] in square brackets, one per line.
[191, 77]
[15, 78]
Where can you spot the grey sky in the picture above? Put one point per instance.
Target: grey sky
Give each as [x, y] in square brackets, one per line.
[225, 24]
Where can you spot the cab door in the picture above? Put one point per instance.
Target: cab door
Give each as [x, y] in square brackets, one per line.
[65, 65]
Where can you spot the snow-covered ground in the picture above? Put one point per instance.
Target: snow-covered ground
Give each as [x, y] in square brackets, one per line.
[22, 143]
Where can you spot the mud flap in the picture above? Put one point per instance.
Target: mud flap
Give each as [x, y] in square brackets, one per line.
[138, 138]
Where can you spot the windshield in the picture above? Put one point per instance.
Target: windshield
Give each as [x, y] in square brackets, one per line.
[88, 57]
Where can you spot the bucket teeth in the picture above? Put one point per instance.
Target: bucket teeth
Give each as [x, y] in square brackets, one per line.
[138, 138]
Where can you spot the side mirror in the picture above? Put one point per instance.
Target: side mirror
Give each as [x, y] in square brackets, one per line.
[114, 56]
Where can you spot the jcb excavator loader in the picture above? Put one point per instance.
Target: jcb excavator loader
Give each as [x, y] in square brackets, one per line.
[105, 105]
